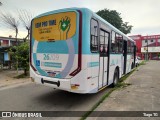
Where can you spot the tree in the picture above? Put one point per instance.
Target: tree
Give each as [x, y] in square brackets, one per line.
[159, 55]
[0, 3]
[113, 17]
[21, 53]
[10, 22]
[25, 17]
[125, 28]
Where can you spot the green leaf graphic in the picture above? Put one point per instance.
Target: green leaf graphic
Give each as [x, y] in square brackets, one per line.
[64, 23]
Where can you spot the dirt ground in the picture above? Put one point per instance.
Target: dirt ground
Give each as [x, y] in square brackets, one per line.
[7, 78]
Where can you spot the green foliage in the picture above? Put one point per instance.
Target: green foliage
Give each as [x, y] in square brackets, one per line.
[20, 56]
[21, 76]
[113, 17]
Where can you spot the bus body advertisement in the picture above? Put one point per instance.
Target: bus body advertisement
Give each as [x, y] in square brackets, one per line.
[75, 50]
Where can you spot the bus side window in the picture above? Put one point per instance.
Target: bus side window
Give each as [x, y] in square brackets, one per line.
[113, 42]
[132, 47]
[119, 39]
[94, 36]
[117, 43]
[128, 46]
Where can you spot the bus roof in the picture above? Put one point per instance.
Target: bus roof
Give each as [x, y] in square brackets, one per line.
[94, 14]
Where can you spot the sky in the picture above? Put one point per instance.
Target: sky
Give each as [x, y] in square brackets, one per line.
[143, 15]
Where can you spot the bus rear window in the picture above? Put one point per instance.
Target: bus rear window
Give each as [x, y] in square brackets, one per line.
[60, 26]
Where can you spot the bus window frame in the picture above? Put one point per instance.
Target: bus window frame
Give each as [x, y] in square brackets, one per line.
[116, 43]
[101, 29]
[119, 52]
[112, 40]
[128, 47]
[131, 50]
[97, 51]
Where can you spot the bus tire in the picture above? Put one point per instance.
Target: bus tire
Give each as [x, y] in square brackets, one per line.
[132, 66]
[115, 78]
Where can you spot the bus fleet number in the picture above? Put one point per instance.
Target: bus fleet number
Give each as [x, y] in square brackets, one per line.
[51, 57]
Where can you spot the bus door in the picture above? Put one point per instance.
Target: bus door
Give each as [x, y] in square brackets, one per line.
[125, 56]
[103, 58]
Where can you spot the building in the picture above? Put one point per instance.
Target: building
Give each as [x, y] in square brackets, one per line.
[5, 44]
[148, 47]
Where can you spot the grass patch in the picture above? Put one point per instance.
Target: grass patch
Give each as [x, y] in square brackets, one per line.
[143, 62]
[97, 104]
[121, 84]
[22, 76]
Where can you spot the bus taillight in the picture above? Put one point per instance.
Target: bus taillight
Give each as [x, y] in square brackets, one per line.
[75, 86]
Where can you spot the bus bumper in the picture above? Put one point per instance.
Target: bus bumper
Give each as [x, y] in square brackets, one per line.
[63, 84]
[74, 85]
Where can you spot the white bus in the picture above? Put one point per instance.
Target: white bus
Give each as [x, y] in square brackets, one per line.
[75, 50]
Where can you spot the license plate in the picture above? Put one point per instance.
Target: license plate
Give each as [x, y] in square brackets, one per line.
[51, 74]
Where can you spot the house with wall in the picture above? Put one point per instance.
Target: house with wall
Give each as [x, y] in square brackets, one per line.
[148, 47]
[5, 44]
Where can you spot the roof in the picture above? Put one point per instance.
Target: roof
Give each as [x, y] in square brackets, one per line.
[8, 38]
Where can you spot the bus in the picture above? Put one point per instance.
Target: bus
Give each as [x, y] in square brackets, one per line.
[75, 50]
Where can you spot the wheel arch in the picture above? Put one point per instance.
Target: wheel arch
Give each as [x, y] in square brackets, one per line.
[115, 70]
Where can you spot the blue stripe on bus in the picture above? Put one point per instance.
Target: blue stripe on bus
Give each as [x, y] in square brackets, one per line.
[93, 64]
[86, 32]
[51, 64]
[52, 47]
[59, 47]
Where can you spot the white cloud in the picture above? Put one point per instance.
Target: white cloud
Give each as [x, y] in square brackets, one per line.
[142, 14]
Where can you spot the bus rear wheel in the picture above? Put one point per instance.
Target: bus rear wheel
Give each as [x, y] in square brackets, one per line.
[132, 66]
[115, 78]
